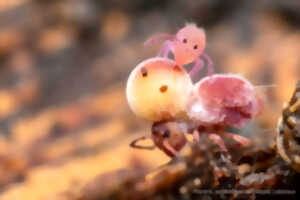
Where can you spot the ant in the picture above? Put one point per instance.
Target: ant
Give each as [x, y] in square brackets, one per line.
[168, 136]
[209, 107]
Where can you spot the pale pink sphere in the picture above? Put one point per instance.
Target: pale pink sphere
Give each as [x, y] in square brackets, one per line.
[224, 99]
[158, 89]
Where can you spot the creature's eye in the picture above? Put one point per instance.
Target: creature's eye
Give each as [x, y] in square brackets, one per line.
[195, 46]
[184, 40]
[166, 133]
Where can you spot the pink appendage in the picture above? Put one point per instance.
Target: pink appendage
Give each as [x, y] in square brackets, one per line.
[210, 65]
[243, 141]
[218, 140]
[166, 48]
[170, 148]
[196, 136]
[197, 67]
[163, 36]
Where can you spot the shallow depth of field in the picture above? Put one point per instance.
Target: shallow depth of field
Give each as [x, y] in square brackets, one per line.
[64, 119]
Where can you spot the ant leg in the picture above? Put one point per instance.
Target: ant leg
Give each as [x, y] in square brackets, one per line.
[238, 138]
[210, 67]
[134, 144]
[196, 136]
[170, 148]
[166, 48]
[197, 67]
[154, 39]
[218, 140]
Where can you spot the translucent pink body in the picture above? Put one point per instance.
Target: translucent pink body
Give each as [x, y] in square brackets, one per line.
[187, 46]
[224, 99]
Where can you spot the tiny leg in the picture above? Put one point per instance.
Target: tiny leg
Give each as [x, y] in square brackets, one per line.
[166, 48]
[197, 67]
[218, 140]
[162, 36]
[210, 67]
[170, 148]
[196, 136]
[238, 138]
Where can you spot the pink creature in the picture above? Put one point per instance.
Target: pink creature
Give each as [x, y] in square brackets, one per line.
[187, 46]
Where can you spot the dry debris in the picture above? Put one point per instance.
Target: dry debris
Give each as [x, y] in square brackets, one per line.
[203, 171]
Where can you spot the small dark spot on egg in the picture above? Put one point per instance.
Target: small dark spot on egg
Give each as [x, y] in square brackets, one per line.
[144, 72]
[177, 68]
[163, 88]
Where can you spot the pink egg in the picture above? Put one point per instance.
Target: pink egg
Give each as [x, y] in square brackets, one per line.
[224, 99]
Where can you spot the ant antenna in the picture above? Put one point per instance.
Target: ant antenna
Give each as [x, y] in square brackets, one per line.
[266, 86]
[134, 144]
[158, 37]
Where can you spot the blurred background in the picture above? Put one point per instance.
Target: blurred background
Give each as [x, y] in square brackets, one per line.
[64, 119]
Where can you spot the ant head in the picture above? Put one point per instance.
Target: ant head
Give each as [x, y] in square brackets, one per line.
[157, 89]
[189, 44]
[161, 130]
[172, 132]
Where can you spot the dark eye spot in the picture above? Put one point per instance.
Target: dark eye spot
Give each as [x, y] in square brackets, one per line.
[163, 88]
[184, 40]
[166, 133]
[177, 68]
[195, 46]
[281, 129]
[144, 72]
